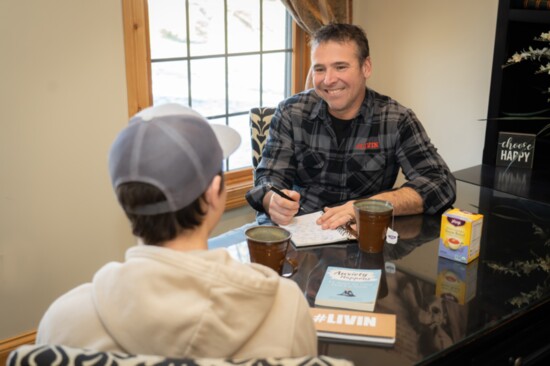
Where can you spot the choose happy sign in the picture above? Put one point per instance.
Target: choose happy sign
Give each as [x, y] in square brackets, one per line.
[515, 149]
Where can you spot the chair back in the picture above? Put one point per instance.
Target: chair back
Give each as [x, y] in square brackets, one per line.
[50, 355]
[260, 119]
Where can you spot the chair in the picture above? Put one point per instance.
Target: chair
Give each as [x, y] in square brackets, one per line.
[49, 355]
[260, 118]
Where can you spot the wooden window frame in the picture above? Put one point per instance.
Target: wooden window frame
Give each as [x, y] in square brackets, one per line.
[138, 80]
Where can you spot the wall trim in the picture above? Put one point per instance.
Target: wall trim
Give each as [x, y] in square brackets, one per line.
[9, 344]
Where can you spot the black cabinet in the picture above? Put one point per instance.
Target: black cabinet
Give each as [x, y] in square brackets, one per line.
[516, 89]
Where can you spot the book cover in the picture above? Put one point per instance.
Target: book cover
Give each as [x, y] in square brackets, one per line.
[355, 326]
[306, 232]
[349, 288]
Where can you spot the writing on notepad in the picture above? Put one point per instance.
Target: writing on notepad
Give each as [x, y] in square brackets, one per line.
[306, 232]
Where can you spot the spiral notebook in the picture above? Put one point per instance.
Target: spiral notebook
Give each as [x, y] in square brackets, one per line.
[305, 231]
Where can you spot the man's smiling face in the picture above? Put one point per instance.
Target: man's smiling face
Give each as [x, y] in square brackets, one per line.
[338, 77]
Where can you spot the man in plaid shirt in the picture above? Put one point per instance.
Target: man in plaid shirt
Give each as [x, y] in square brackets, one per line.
[342, 141]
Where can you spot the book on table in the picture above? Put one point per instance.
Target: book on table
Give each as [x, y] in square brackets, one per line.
[354, 326]
[349, 288]
[305, 231]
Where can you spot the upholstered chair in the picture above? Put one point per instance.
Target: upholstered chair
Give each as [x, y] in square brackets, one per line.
[46, 355]
[260, 118]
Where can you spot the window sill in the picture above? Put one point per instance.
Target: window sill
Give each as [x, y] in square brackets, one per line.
[237, 183]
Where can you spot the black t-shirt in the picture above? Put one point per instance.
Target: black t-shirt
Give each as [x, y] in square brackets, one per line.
[341, 127]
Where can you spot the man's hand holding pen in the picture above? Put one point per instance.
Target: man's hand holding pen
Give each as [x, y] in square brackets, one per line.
[281, 205]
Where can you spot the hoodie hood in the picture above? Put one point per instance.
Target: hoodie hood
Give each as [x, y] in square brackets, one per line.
[183, 304]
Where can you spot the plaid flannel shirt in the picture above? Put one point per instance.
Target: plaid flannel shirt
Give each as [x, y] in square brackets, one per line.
[302, 154]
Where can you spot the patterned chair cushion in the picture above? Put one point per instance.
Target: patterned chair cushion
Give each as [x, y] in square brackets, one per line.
[45, 355]
[260, 118]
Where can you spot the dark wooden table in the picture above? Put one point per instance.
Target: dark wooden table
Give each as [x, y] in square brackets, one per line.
[497, 316]
[533, 184]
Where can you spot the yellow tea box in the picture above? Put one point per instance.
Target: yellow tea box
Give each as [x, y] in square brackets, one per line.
[460, 235]
[456, 281]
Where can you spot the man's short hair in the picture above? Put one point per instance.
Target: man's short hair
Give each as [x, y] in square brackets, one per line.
[342, 33]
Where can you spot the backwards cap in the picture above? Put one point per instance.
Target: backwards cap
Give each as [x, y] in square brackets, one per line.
[173, 148]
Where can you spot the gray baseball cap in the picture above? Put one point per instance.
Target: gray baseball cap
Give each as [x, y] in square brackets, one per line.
[173, 148]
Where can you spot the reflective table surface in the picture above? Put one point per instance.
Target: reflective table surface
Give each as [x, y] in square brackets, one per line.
[449, 312]
[526, 183]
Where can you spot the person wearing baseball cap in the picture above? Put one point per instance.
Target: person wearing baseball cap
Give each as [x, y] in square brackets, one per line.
[171, 296]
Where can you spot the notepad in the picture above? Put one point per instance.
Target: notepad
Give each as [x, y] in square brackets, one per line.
[306, 232]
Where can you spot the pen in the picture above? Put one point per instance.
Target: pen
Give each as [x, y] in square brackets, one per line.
[280, 193]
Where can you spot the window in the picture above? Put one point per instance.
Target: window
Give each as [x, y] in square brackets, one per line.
[221, 57]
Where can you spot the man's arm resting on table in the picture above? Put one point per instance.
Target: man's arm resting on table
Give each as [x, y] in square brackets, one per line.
[405, 201]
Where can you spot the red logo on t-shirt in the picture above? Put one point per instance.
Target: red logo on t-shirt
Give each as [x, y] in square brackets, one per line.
[369, 145]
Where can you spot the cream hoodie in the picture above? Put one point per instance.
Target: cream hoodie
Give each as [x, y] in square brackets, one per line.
[183, 304]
